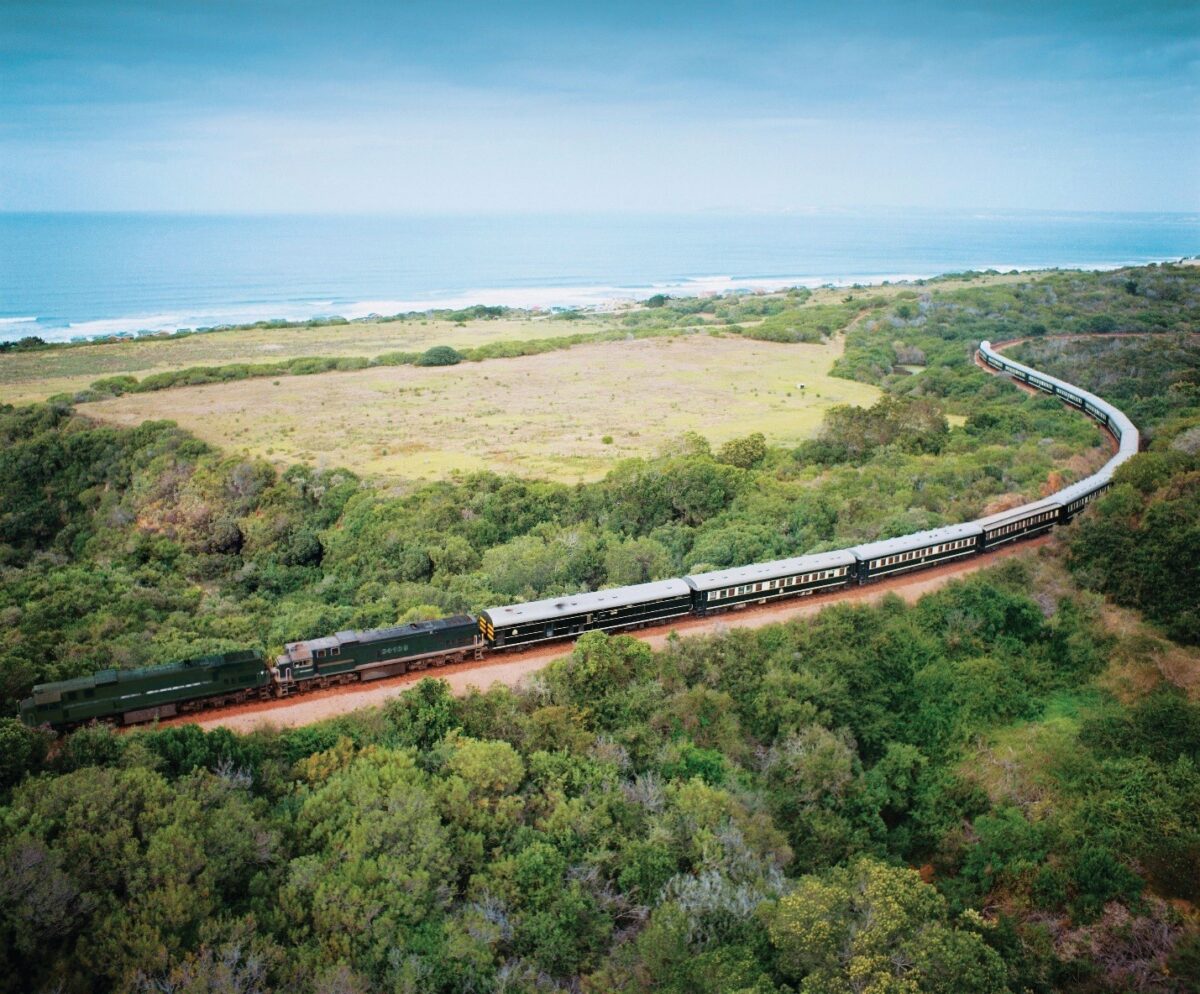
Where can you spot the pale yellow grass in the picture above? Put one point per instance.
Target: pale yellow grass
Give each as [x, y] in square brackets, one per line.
[540, 416]
[32, 376]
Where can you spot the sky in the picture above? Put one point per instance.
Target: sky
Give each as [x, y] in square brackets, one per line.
[362, 106]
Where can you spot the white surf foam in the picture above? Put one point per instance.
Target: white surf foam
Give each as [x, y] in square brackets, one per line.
[598, 297]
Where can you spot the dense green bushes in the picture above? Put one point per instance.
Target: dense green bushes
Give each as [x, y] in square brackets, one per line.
[439, 355]
[1139, 544]
[729, 811]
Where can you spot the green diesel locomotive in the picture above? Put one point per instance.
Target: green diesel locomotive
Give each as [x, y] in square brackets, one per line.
[131, 696]
[377, 653]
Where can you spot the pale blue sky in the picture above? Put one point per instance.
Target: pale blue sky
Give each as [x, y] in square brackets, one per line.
[288, 105]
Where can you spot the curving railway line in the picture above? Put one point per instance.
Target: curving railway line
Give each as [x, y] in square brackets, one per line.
[247, 677]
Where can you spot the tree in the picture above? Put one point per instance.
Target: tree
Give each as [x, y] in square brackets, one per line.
[21, 750]
[873, 927]
[636, 560]
[423, 715]
[745, 453]
[599, 665]
[375, 859]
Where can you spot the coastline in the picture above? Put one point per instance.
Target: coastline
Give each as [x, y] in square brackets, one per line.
[598, 298]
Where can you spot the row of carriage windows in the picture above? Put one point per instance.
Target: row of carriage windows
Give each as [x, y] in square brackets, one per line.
[769, 585]
[1042, 384]
[933, 550]
[1024, 523]
[1085, 499]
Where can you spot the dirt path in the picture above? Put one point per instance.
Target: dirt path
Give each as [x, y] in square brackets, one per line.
[512, 669]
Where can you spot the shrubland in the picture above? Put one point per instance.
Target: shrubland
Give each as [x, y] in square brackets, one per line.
[990, 790]
[125, 547]
[731, 813]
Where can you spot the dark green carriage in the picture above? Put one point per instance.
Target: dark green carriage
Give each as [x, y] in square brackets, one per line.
[131, 696]
[377, 653]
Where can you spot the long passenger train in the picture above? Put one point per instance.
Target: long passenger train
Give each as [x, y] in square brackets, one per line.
[133, 696]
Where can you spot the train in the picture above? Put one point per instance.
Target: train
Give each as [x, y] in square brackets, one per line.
[135, 696]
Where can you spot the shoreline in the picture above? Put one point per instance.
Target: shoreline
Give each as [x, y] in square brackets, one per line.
[600, 298]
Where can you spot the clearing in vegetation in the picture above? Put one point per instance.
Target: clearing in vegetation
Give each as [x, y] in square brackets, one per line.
[31, 376]
[566, 415]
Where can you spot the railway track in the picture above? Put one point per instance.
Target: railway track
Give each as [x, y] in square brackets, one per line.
[512, 667]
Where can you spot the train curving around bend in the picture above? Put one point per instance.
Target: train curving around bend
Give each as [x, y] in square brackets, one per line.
[132, 696]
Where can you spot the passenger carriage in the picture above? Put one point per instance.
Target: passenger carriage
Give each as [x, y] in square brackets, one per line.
[569, 615]
[1079, 495]
[893, 556]
[1019, 522]
[719, 590]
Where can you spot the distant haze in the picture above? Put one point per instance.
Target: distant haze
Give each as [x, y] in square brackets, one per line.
[365, 106]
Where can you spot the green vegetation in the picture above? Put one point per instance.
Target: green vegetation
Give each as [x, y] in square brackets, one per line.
[1139, 546]
[126, 547]
[439, 355]
[30, 343]
[731, 813]
[991, 790]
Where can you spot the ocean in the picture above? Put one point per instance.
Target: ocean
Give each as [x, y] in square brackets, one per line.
[76, 276]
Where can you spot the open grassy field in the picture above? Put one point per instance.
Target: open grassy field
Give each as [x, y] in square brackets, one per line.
[545, 416]
[30, 376]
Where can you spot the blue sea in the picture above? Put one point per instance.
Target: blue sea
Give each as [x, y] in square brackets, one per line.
[73, 276]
